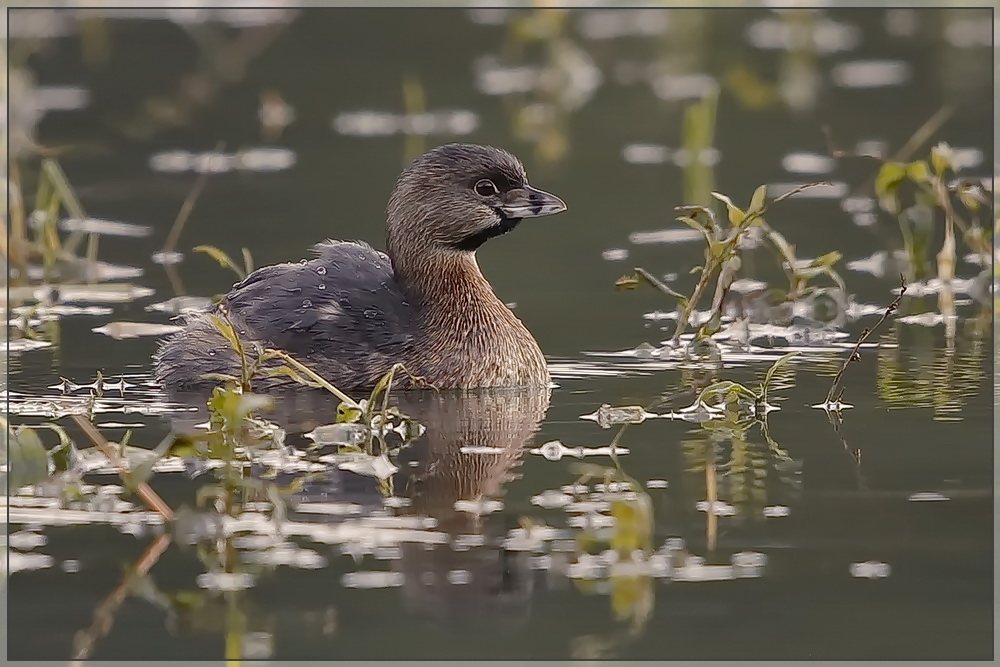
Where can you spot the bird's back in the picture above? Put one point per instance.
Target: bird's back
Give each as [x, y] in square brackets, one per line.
[341, 313]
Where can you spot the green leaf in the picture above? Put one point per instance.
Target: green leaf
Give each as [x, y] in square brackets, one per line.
[382, 386]
[348, 414]
[28, 462]
[226, 329]
[736, 214]
[633, 525]
[771, 371]
[221, 377]
[57, 178]
[693, 223]
[827, 260]
[970, 197]
[717, 250]
[887, 182]
[290, 372]
[757, 201]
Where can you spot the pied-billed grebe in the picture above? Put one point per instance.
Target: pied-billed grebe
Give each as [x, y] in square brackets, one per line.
[353, 312]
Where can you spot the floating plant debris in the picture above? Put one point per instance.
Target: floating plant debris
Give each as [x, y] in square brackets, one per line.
[110, 293]
[379, 123]
[551, 499]
[378, 467]
[693, 86]
[833, 406]
[614, 23]
[555, 450]
[25, 344]
[54, 312]
[607, 416]
[614, 254]
[179, 305]
[287, 554]
[373, 579]
[492, 78]
[936, 286]
[871, 73]
[19, 562]
[121, 330]
[928, 319]
[262, 159]
[740, 286]
[808, 163]
[81, 269]
[775, 511]
[684, 235]
[338, 434]
[927, 496]
[717, 508]
[478, 507]
[167, 257]
[870, 569]
[878, 264]
[646, 154]
[824, 35]
[481, 449]
[26, 540]
[225, 581]
[105, 227]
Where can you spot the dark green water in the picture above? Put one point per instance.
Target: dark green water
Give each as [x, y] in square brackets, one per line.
[923, 400]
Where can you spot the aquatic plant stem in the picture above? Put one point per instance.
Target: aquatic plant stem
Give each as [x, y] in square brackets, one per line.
[719, 260]
[312, 375]
[854, 355]
[143, 490]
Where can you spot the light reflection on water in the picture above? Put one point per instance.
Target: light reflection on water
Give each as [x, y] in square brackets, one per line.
[508, 527]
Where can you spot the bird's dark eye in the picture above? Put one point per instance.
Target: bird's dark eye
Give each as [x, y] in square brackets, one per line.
[486, 188]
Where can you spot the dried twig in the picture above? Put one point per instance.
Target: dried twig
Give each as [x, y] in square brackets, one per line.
[855, 355]
[143, 490]
[104, 615]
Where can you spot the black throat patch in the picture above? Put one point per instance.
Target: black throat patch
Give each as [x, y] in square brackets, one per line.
[473, 241]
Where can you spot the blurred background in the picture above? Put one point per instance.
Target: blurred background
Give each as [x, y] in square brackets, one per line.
[273, 127]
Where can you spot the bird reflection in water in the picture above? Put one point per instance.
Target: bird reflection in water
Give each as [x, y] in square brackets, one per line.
[453, 474]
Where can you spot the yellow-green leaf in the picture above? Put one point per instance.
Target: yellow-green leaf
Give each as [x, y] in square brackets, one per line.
[942, 158]
[887, 182]
[918, 171]
[757, 201]
[348, 413]
[627, 282]
[222, 258]
[736, 214]
[829, 259]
